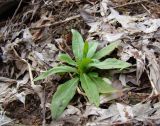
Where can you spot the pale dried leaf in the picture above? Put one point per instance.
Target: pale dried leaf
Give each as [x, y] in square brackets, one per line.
[23, 81]
[125, 112]
[122, 78]
[104, 7]
[112, 37]
[4, 120]
[154, 70]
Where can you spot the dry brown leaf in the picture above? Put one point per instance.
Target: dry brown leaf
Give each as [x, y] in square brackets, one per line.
[153, 70]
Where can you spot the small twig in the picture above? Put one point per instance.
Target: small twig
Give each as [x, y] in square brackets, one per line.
[132, 3]
[38, 89]
[44, 108]
[9, 25]
[30, 72]
[16, 10]
[158, 5]
[146, 9]
[80, 92]
[57, 23]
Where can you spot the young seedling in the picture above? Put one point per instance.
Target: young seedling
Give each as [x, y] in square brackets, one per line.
[86, 57]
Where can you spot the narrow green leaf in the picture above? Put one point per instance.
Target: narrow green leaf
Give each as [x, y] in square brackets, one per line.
[95, 60]
[90, 89]
[66, 58]
[92, 74]
[83, 65]
[106, 50]
[63, 96]
[85, 49]
[54, 70]
[102, 86]
[92, 49]
[110, 63]
[77, 44]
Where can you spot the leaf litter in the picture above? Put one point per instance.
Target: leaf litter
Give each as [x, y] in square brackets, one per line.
[35, 36]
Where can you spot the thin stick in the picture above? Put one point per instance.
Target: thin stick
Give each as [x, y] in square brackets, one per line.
[44, 108]
[16, 11]
[30, 73]
[136, 2]
[57, 23]
[146, 9]
[9, 25]
[80, 92]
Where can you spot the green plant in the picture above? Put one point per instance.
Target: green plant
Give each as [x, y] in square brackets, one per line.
[86, 58]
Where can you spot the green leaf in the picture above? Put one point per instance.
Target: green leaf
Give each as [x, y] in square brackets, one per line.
[83, 65]
[106, 50]
[90, 89]
[66, 58]
[103, 87]
[54, 70]
[92, 49]
[110, 63]
[92, 74]
[85, 49]
[95, 60]
[63, 96]
[77, 44]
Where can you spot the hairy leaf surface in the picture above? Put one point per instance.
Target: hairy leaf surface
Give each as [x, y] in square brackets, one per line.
[103, 87]
[90, 89]
[92, 49]
[66, 58]
[111, 63]
[63, 96]
[106, 50]
[54, 70]
[77, 44]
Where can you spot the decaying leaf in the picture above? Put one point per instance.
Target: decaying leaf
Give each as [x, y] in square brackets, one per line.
[122, 113]
[25, 52]
[125, 112]
[4, 120]
[153, 70]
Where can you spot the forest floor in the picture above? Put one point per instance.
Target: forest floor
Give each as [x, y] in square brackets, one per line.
[34, 32]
